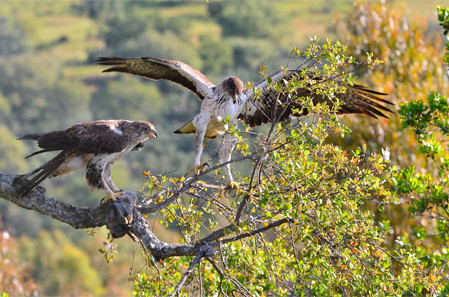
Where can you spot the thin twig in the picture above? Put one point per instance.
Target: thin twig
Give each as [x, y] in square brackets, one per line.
[387, 253]
[200, 279]
[254, 232]
[223, 231]
[186, 274]
[233, 280]
[204, 251]
[295, 253]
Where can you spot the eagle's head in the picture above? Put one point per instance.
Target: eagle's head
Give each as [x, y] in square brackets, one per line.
[230, 87]
[139, 131]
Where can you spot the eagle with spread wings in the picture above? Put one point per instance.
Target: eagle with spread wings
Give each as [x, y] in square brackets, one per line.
[91, 145]
[230, 100]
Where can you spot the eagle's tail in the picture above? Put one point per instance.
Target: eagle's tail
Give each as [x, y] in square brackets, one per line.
[187, 128]
[42, 173]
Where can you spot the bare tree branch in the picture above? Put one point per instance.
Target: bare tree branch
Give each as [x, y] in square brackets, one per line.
[90, 217]
[225, 230]
[244, 290]
[36, 200]
[260, 230]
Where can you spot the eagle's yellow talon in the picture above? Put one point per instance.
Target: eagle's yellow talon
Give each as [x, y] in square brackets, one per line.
[238, 187]
[233, 185]
[196, 169]
[129, 219]
[113, 196]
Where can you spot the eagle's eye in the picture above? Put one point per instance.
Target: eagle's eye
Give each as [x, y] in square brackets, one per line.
[144, 128]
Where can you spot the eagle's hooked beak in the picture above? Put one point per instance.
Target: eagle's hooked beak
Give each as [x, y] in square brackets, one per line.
[152, 134]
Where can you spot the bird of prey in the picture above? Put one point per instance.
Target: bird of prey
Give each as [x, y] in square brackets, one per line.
[262, 103]
[91, 145]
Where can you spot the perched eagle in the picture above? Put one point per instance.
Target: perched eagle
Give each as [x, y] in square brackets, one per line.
[229, 99]
[93, 146]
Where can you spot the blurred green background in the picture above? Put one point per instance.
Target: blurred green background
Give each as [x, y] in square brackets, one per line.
[48, 81]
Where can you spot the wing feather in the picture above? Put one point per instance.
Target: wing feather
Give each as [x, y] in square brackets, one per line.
[44, 171]
[274, 104]
[91, 137]
[157, 69]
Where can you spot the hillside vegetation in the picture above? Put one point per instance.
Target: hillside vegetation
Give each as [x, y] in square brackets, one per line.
[49, 81]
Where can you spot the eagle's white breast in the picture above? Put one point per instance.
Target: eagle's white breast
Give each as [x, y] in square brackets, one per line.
[71, 164]
[217, 109]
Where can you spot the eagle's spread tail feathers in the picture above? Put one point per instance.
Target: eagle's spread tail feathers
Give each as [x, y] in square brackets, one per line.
[187, 128]
[212, 130]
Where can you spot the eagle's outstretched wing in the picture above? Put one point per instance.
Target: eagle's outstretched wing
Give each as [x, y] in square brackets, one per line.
[261, 109]
[157, 69]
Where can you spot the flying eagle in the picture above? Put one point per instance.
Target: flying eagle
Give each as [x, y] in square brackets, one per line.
[229, 99]
[91, 145]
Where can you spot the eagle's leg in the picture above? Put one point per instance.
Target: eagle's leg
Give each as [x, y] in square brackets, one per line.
[107, 178]
[111, 195]
[111, 189]
[200, 122]
[225, 152]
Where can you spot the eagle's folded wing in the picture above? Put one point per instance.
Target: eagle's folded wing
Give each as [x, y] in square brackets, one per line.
[93, 137]
[156, 69]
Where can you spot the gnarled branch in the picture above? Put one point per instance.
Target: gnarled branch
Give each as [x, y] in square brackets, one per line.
[104, 215]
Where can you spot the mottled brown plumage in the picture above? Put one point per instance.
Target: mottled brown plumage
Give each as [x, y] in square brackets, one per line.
[92, 145]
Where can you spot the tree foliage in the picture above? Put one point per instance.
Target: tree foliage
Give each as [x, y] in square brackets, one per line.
[216, 55]
[301, 228]
[411, 68]
[425, 189]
